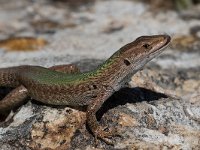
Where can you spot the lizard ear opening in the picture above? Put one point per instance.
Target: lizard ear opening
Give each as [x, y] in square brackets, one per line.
[127, 62]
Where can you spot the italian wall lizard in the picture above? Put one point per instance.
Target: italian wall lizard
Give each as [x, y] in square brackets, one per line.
[65, 85]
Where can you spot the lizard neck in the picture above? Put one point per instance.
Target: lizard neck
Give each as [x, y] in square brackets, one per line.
[113, 72]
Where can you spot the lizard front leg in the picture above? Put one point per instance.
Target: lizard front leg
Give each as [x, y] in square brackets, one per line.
[95, 127]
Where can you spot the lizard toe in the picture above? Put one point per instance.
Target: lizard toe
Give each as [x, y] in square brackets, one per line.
[105, 136]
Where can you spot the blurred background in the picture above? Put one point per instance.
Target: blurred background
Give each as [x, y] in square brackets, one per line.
[93, 28]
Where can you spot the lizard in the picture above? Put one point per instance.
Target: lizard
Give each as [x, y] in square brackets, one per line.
[66, 85]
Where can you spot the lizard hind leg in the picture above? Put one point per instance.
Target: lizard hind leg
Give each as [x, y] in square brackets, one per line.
[68, 68]
[14, 98]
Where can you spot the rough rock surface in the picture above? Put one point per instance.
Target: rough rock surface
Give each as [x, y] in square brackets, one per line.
[86, 35]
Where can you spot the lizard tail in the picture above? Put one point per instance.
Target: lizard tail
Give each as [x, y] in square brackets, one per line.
[8, 77]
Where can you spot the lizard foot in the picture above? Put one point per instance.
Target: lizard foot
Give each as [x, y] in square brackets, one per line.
[100, 133]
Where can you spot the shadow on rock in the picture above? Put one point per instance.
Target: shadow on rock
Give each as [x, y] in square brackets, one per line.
[129, 95]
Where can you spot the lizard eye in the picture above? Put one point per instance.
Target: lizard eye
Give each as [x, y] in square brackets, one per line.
[127, 62]
[146, 45]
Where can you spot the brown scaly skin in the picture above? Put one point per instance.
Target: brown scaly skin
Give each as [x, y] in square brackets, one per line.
[65, 85]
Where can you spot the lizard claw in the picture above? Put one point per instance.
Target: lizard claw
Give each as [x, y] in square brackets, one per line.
[100, 133]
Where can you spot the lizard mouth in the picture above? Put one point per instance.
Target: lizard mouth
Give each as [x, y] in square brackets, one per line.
[161, 46]
[167, 40]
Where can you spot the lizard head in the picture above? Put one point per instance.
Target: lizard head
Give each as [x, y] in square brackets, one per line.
[143, 49]
[131, 58]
